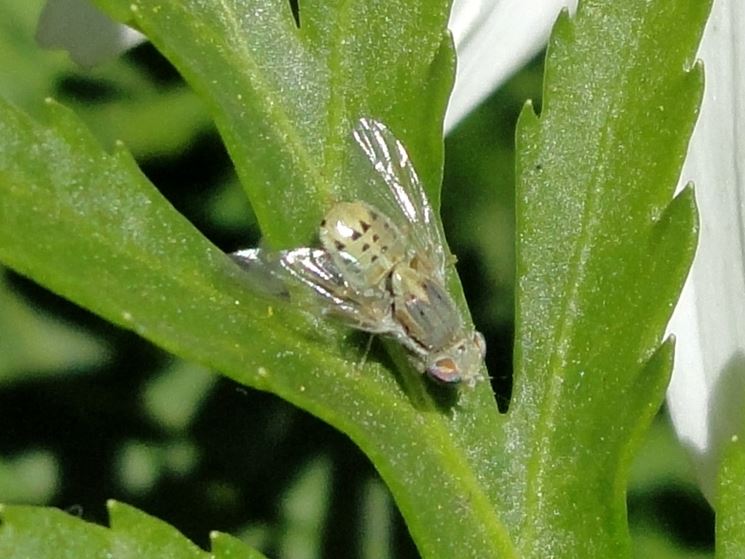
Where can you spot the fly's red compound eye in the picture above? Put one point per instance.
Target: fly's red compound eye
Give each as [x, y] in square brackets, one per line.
[444, 371]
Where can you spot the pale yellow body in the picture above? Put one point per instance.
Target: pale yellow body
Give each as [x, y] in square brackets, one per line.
[402, 296]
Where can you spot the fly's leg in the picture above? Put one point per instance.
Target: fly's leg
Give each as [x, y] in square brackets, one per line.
[368, 345]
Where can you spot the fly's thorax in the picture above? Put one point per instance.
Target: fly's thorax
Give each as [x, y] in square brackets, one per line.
[424, 309]
[364, 243]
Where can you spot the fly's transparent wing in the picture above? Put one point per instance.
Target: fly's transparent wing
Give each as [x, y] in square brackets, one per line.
[404, 195]
[316, 278]
[261, 269]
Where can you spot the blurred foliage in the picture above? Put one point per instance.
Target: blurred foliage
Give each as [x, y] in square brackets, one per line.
[119, 100]
[90, 411]
[730, 530]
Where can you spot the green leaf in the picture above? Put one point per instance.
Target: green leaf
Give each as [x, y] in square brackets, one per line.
[89, 226]
[83, 222]
[730, 506]
[44, 533]
[602, 255]
[227, 547]
[285, 98]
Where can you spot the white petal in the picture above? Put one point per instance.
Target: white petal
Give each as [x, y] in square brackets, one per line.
[706, 397]
[82, 29]
[494, 38]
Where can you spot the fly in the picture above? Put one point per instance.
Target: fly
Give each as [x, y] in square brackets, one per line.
[381, 267]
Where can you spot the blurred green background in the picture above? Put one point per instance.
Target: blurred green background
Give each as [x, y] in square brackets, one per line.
[89, 411]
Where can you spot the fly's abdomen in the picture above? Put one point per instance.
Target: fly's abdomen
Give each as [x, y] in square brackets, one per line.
[364, 243]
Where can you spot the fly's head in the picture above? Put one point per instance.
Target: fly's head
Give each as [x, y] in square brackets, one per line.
[459, 363]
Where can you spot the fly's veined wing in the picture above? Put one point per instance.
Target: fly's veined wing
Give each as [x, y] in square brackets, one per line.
[403, 196]
[313, 271]
[261, 269]
[274, 272]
